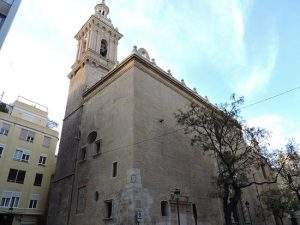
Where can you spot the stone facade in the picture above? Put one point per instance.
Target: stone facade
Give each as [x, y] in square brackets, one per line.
[122, 156]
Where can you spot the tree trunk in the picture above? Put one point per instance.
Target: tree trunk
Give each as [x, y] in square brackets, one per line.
[226, 209]
[227, 215]
[298, 196]
[281, 220]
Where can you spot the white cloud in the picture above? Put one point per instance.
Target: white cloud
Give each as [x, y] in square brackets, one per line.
[260, 73]
[40, 48]
[280, 128]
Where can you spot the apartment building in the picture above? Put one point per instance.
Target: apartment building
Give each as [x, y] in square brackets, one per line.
[8, 10]
[27, 162]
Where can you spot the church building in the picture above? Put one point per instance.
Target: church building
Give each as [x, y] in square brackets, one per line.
[123, 160]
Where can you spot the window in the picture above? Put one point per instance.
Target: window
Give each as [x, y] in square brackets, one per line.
[81, 199]
[108, 209]
[10, 199]
[92, 137]
[4, 129]
[42, 160]
[5, 202]
[103, 49]
[33, 201]
[96, 196]
[38, 179]
[1, 150]
[46, 142]
[32, 204]
[164, 208]
[22, 155]
[98, 147]
[83, 154]
[16, 176]
[195, 213]
[115, 169]
[27, 135]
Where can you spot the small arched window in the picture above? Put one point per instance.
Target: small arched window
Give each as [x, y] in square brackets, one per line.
[103, 13]
[92, 137]
[164, 208]
[103, 49]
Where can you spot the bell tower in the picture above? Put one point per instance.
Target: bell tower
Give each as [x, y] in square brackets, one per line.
[96, 54]
[97, 45]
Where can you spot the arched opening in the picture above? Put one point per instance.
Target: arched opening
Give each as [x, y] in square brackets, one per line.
[103, 49]
[92, 137]
[84, 45]
[164, 208]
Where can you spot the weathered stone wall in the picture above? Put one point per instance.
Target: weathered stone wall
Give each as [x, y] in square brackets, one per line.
[165, 157]
[110, 114]
[133, 115]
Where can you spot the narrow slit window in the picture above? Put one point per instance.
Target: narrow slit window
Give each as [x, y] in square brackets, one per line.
[115, 169]
[98, 147]
[195, 213]
[83, 154]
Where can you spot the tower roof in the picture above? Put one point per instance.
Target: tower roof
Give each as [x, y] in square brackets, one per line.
[102, 9]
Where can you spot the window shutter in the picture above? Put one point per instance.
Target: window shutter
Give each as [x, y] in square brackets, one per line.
[21, 176]
[23, 134]
[12, 175]
[38, 179]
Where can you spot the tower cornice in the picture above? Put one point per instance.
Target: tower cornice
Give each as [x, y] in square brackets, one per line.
[97, 23]
[91, 57]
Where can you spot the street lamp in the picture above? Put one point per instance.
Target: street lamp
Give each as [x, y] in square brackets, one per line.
[177, 194]
[248, 209]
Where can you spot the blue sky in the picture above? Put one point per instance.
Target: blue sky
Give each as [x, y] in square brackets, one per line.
[249, 47]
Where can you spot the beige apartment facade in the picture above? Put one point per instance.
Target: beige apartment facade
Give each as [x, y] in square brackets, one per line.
[27, 162]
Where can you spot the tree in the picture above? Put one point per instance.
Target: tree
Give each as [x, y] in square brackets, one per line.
[290, 171]
[220, 132]
[279, 201]
[3, 107]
